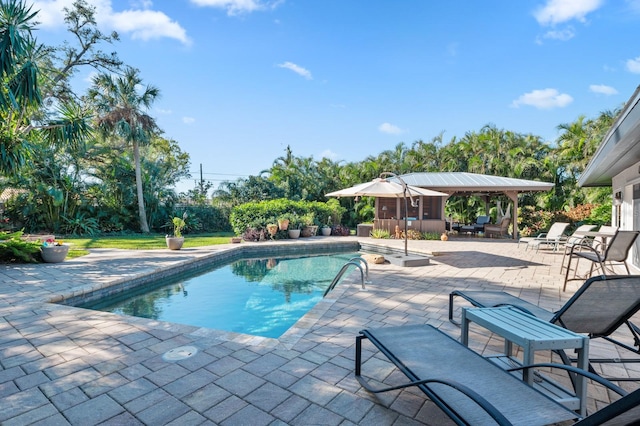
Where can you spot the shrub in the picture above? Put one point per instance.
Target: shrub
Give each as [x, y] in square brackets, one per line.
[430, 236]
[380, 233]
[15, 249]
[412, 234]
[258, 214]
[340, 230]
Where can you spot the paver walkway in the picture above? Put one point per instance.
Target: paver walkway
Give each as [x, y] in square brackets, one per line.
[63, 365]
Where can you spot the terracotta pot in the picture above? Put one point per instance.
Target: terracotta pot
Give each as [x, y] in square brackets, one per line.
[272, 229]
[444, 236]
[175, 243]
[283, 224]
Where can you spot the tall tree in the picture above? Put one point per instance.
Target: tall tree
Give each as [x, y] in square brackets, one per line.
[121, 103]
[23, 119]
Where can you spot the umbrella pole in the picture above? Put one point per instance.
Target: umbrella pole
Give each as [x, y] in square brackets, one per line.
[406, 219]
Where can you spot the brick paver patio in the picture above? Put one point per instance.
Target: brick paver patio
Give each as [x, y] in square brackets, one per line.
[64, 365]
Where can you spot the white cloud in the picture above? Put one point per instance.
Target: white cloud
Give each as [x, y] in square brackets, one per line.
[558, 11]
[188, 120]
[297, 69]
[543, 99]
[139, 22]
[147, 25]
[235, 7]
[563, 35]
[164, 111]
[390, 129]
[633, 65]
[602, 89]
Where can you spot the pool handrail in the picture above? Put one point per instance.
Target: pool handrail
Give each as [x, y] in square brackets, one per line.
[342, 272]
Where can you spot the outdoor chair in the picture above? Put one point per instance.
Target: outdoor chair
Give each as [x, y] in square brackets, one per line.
[499, 230]
[616, 250]
[553, 237]
[600, 307]
[471, 389]
[578, 238]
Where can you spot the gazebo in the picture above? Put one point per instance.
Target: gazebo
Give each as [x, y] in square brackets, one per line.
[429, 216]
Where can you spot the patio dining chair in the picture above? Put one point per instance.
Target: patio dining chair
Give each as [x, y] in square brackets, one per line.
[553, 237]
[617, 250]
[576, 238]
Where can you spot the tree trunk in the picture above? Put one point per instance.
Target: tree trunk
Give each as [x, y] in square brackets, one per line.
[144, 226]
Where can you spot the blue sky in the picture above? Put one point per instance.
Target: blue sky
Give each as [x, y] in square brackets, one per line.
[242, 79]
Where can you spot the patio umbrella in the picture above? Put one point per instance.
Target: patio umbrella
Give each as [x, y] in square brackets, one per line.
[384, 188]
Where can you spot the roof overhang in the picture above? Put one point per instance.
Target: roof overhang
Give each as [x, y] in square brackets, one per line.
[620, 148]
[462, 183]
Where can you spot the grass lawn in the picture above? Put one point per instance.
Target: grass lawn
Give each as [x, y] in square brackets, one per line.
[79, 246]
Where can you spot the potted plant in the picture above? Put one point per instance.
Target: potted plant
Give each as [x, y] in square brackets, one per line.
[293, 229]
[325, 230]
[283, 222]
[309, 228]
[54, 251]
[272, 228]
[176, 241]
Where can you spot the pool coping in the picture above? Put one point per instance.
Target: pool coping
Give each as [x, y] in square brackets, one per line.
[244, 251]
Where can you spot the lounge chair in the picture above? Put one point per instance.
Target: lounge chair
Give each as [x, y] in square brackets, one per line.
[472, 390]
[499, 230]
[601, 306]
[616, 250]
[554, 237]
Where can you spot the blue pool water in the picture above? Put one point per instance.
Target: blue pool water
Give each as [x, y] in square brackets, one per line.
[262, 297]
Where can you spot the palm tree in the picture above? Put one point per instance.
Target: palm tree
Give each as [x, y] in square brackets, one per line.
[23, 118]
[121, 102]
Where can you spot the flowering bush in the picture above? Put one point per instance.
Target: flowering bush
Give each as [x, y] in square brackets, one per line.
[50, 242]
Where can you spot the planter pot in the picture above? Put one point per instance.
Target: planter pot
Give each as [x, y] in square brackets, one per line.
[272, 229]
[309, 231]
[294, 233]
[236, 240]
[283, 224]
[54, 254]
[326, 231]
[175, 243]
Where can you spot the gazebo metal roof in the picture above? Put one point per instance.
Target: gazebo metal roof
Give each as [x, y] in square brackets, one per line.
[462, 182]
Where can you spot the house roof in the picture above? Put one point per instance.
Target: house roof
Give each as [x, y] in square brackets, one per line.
[620, 148]
[462, 182]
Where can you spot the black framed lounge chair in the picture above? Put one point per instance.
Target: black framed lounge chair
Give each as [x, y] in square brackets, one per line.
[472, 390]
[616, 250]
[554, 237]
[600, 307]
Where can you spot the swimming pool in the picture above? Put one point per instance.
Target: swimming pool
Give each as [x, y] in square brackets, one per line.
[262, 296]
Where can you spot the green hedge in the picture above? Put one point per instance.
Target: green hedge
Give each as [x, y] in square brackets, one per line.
[257, 215]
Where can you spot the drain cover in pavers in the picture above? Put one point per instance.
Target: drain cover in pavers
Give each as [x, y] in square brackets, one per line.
[180, 353]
